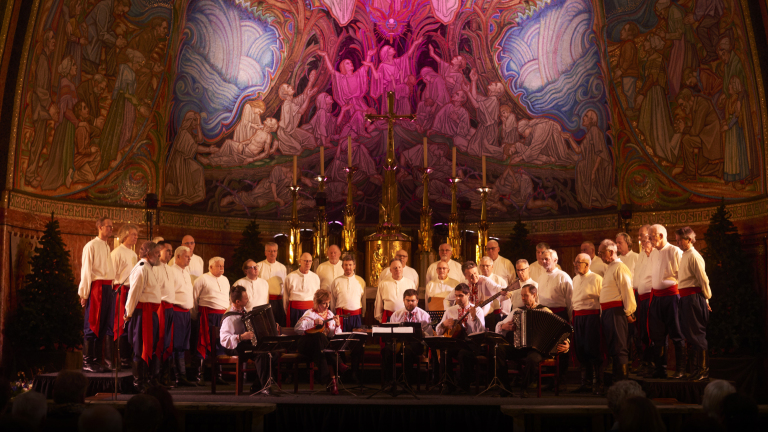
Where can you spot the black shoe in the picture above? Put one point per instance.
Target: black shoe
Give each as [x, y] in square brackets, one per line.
[465, 390]
[659, 374]
[220, 381]
[182, 381]
[448, 389]
[524, 394]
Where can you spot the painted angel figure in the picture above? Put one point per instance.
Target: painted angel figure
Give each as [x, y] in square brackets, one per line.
[349, 89]
[392, 74]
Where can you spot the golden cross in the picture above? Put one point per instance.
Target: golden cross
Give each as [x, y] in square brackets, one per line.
[391, 116]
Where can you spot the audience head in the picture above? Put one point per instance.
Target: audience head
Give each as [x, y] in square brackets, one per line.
[100, 418]
[30, 406]
[169, 420]
[739, 413]
[70, 387]
[639, 414]
[143, 413]
[620, 392]
[714, 393]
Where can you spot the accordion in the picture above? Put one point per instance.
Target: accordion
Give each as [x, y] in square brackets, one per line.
[539, 330]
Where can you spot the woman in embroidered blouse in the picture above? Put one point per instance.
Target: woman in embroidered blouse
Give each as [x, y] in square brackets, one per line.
[311, 345]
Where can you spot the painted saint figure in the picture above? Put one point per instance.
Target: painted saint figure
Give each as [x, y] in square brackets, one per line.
[292, 139]
[233, 153]
[184, 176]
[349, 89]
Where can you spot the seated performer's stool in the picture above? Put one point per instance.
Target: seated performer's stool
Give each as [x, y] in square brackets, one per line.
[221, 360]
[554, 363]
[292, 361]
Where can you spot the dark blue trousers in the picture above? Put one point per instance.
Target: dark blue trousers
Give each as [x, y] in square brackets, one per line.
[136, 330]
[694, 316]
[663, 320]
[642, 342]
[182, 326]
[586, 330]
[616, 333]
[107, 317]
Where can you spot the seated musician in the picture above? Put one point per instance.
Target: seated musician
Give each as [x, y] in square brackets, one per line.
[237, 341]
[311, 345]
[412, 314]
[473, 321]
[529, 358]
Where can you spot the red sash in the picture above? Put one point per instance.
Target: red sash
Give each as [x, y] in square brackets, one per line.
[385, 316]
[497, 311]
[666, 292]
[306, 304]
[94, 305]
[161, 319]
[557, 309]
[584, 312]
[147, 324]
[204, 342]
[645, 296]
[340, 311]
[178, 308]
[685, 292]
[613, 304]
[120, 299]
[275, 297]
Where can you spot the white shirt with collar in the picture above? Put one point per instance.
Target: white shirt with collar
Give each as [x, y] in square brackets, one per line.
[257, 289]
[144, 287]
[505, 269]
[408, 273]
[417, 315]
[165, 278]
[516, 299]
[586, 291]
[642, 279]
[348, 292]
[123, 260]
[211, 292]
[536, 270]
[556, 290]
[630, 260]
[328, 272]
[390, 296]
[617, 286]
[666, 267]
[96, 265]
[486, 287]
[307, 321]
[470, 325]
[692, 272]
[454, 272]
[300, 287]
[597, 266]
[437, 288]
[183, 288]
[196, 267]
[274, 273]
[231, 329]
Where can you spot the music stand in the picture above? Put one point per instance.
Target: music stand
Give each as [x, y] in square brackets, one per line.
[496, 339]
[337, 345]
[405, 332]
[445, 344]
[269, 345]
[362, 337]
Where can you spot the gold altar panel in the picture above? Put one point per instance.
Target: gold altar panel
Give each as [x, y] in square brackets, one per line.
[379, 250]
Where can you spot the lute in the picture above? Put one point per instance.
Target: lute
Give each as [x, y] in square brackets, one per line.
[319, 327]
[458, 330]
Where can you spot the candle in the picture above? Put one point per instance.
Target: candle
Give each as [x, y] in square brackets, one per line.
[349, 151]
[425, 152]
[483, 170]
[322, 160]
[453, 175]
[295, 168]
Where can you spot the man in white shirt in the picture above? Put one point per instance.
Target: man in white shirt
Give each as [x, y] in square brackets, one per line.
[555, 292]
[529, 358]
[300, 287]
[182, 319]
[348, 295]
[256, 287]
[389, 297]
[617, 302]
[454, 268]
[210, 295]
[626, 254]
[513, 297]
[274, 273]
[165, 277]
[493, 311]
[597, 266]
[238, 341]
[537, 268]
[694, 302]
[663, 318]
[411, 314]
[123, 259]
[501, 266]
[472, 322]
[142, 309]
[196, 264]
[439, 289]
[642, 281]
[331, 269]
[408, 272]
[586, 324]
[96, 296]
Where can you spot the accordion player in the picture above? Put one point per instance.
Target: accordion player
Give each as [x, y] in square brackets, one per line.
[528, 357]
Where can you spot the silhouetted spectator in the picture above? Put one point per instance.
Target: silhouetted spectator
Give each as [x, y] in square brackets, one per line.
[714, 393]
[31, 407]
[639, 414]
[69, 402]
[739, 413]
[170, 422]
[100, 418]
[620, 392]
[143, 413]
[5, 393]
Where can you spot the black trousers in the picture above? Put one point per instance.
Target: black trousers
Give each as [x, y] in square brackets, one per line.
[262, 360]
[616, 333]
[529, 359]
[412, 353]
[312, 346]
[467, 360]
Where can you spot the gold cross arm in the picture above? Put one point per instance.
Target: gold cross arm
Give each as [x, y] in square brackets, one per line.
[391, 115]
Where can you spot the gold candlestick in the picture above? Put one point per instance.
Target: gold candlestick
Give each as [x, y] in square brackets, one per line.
[425, 225]
[321, 221]
[349, 234]
[482, 226]
[294, 251]
[454, 233]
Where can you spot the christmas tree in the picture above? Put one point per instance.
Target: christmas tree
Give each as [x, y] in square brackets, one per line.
[48, 315]
[250, 247]
[519, 245]
[735, 325]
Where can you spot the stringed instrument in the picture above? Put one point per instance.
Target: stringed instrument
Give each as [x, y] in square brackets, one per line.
[319, 327]
[457, 330]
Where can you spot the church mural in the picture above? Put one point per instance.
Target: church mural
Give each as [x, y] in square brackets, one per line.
[577, 106]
